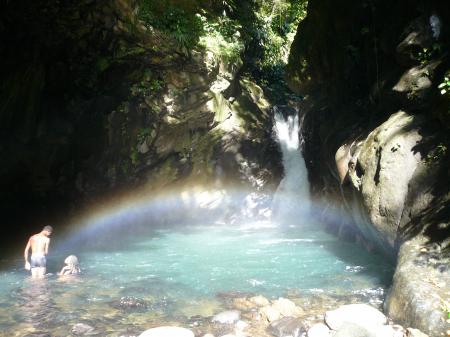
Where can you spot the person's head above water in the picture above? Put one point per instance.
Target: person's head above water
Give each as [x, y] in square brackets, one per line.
[72, 266]
[47, 230]
[71, 260]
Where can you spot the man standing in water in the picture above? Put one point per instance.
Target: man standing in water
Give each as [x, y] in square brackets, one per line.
[39, 249]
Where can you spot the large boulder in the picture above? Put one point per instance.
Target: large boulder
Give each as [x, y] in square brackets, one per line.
[380, 172]
[361, 314]
[420, 289]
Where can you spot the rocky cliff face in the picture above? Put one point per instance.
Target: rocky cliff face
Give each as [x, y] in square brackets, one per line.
[377, 142]
[93, 101]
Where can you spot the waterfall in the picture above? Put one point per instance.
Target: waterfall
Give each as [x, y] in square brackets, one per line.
[291, 200]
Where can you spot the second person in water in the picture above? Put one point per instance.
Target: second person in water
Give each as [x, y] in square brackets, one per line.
[72, 266]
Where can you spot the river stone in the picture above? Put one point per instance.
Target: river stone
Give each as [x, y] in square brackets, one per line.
[270, 313]
[286, 307]
[130, 303]
[319, 330]
[361, 314]
[167, 331]
[287, 327]
[243, 304]
[227, 317]
[259, 301]
[81, 329]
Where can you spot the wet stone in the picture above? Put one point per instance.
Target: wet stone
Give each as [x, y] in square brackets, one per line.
[227, 317]
[82, 329]
[130, 303]
[197, 320]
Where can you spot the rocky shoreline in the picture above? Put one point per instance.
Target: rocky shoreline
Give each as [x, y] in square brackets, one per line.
[257, 316]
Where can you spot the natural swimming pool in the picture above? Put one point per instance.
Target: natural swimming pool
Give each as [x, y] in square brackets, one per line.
[183, 272]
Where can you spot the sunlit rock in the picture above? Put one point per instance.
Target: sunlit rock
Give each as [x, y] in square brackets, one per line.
[361, 314]
[319, 330]
[167, 331]
[286, 307]
[415, 333]
[269, 313]
[259, 301]
[227, 317]
[243, 304]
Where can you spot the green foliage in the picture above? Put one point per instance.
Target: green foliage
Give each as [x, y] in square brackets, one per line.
[274, 29]
[183, 26]
[437, 154]
[134, 156]
[444, 86]
[427, 54]
[102, 64]
[148, 86]
[142, 134]
[223, 39]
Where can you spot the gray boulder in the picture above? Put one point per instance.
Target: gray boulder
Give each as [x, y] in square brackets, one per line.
[287, 327]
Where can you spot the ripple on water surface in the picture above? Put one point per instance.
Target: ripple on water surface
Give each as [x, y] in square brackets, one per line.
[179, 273]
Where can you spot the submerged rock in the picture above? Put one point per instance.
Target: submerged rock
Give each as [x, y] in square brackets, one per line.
[81, 329]
[131, 303]
[167, 331]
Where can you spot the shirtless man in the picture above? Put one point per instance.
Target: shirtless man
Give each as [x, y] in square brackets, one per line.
[39, 249]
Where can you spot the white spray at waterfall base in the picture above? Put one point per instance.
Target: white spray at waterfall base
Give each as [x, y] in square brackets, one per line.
[291, 202]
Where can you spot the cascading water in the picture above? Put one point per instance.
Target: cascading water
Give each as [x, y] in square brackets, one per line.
[291, 201]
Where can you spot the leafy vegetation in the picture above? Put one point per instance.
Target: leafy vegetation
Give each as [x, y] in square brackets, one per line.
[427, 54]
[444, 86]
[272, 29]
[436, 154]
[184, 26]
[223, 38]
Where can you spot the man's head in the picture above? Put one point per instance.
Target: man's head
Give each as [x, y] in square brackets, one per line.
[47, 230]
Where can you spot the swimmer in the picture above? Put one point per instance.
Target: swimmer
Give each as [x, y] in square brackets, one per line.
[39, 244]
[72, 266]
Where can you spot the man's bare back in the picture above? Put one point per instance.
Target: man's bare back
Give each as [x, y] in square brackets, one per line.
[39, 244]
